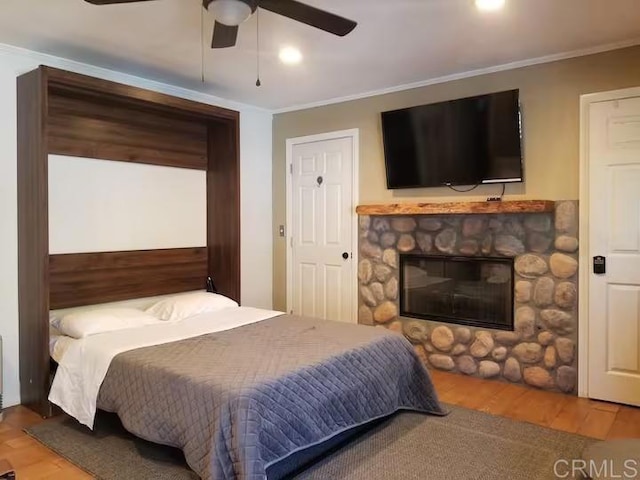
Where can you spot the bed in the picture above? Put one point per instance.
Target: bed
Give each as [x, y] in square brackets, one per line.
[272, 387]
[242, 391]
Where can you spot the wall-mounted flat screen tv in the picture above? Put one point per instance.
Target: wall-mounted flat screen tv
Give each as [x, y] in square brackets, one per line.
[460, 142]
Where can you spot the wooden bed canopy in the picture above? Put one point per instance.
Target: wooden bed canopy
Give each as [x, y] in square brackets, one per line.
[66, 113]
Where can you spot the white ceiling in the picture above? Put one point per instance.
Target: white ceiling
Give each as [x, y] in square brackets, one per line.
[396, 42]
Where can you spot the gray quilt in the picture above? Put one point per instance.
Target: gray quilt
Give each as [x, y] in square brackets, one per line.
[241, 400]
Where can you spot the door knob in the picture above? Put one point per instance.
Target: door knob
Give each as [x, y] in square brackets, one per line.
[345, 255]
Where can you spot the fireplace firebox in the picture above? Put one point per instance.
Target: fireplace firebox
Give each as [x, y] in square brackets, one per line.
[474, 291]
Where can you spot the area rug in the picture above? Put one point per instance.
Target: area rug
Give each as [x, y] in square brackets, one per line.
[466, 444]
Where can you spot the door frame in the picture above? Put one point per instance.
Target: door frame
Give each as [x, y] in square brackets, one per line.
[583, 255]
[354, 134]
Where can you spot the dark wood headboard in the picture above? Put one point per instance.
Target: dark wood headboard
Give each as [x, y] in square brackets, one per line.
[88, 278]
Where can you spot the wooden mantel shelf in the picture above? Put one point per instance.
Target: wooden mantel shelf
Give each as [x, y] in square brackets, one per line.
[457, 208]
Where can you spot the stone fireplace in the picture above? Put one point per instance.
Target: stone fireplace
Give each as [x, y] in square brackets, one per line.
[526, 334]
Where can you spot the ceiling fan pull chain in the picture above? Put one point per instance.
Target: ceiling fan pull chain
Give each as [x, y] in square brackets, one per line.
[258, 48]
[202, 44]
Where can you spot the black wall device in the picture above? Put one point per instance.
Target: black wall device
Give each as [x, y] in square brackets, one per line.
[211, 288]
[599, 265]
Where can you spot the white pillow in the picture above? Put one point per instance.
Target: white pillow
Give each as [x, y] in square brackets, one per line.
[91, 322]
[137, 303]
[184, 306]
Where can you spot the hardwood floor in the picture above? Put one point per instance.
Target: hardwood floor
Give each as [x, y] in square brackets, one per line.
[596, 419]
[29, 458]
[591, 418]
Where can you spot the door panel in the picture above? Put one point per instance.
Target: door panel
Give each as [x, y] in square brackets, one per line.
[623, 328]
[333, 291]
[625, 209]
[333, 218]
[307, 303]
[614, 224]
[307, 216]
[322, 214]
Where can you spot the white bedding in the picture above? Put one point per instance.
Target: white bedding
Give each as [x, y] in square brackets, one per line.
[58, 344]
[83, 364]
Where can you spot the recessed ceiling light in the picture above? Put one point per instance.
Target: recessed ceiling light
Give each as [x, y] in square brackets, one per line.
[489, 5]
[290, 55]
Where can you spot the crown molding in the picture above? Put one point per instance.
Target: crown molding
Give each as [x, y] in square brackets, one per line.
[122, 77]
[468, 74]
[117, 76]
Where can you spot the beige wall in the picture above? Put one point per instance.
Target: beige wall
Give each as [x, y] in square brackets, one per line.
[549, 94]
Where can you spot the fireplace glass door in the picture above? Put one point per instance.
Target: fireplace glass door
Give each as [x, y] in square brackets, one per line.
[465, 290]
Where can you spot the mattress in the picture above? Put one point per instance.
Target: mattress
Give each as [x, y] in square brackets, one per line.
[242, 400]
[85, 362]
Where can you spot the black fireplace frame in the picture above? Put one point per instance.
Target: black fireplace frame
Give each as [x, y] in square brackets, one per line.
[404, 257]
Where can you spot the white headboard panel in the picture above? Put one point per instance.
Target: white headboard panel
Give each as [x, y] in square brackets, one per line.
[103, 205]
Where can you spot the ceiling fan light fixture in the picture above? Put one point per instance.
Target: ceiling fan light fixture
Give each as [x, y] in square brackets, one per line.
[230, 12]
[290, 55]
[490, 5]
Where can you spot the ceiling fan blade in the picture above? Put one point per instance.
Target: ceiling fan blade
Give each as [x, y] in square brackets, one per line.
[310, 15]
[224, 36]
[113, 2]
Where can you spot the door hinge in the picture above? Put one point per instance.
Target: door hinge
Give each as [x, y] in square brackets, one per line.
[291, 168]
[291, 241]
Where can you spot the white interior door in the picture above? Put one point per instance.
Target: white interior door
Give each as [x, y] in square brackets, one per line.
[614, 232]
[322, 229]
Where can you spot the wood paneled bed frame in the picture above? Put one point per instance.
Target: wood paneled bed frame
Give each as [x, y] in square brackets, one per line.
[77, 279]
[66, 113]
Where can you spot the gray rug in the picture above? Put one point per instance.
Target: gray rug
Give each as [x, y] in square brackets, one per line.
[464, 445]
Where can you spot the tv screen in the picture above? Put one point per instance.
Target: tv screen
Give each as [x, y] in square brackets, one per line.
[461, 142]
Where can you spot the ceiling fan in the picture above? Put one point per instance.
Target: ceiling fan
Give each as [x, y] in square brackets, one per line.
[229, 14]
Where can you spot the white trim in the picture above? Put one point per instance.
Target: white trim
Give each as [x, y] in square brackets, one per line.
[620, 94]
[354, 134]
[584, 256]
[122, 77]
[201, 96]
[468, 74]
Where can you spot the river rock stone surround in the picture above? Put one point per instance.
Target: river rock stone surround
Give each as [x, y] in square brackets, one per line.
[541, 351]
